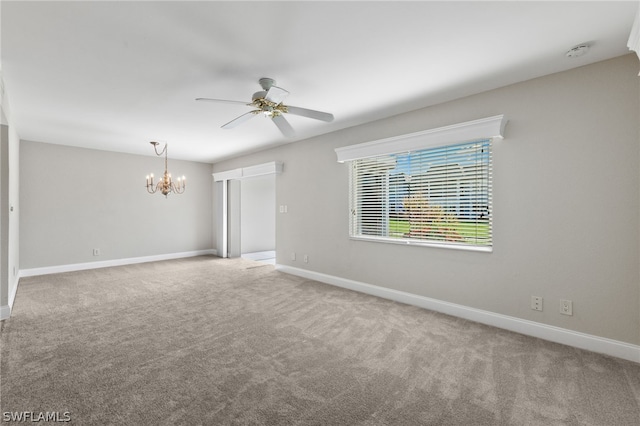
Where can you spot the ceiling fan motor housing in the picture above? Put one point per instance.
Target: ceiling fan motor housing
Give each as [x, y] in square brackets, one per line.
[266, 83]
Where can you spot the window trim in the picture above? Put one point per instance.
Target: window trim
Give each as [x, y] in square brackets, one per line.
[445, 245]
[484, 128]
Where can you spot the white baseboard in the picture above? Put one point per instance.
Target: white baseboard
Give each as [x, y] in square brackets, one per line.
[107, 263]
[576, 339]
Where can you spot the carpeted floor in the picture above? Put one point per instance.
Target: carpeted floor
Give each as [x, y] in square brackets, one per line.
[208, 341]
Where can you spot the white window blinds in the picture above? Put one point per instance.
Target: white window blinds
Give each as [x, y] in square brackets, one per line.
[432, 196]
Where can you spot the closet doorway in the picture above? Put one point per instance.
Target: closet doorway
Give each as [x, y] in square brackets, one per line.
[246, 212]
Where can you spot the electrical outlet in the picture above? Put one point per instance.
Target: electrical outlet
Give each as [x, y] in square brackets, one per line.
[566, 307]
[306, 258]
[96, 252]
[293, 256]
[536, 303]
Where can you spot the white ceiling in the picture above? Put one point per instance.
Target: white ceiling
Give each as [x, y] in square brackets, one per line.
[116, 75]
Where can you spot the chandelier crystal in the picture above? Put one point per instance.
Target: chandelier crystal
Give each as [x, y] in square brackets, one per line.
[166, 185]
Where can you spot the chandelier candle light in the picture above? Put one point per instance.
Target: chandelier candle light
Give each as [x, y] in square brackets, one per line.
[166, 185]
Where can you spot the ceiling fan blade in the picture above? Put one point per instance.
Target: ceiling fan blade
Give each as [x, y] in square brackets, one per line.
[284, 126]
[276, 95]
[304, 112]
[239, 120]
[226, 101]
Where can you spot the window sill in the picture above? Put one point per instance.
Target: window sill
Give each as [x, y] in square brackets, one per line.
[402, 242]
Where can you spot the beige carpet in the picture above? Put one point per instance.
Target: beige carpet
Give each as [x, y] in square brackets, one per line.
[208, 341]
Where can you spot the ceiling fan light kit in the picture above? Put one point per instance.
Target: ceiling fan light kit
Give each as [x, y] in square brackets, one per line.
[268, 102]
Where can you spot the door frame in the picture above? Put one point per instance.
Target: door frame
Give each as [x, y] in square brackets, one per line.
[221, 207]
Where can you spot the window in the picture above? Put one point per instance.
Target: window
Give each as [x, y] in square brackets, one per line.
[438, 195]
[425, 188]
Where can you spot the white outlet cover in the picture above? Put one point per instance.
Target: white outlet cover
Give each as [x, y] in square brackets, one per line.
[566, 307]
[536, 303]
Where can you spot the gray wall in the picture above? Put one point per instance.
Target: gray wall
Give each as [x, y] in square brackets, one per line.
[566, 204]
[74, 200]
[258, 214]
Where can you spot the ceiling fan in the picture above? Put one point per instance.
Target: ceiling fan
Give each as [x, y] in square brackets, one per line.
[268, 102]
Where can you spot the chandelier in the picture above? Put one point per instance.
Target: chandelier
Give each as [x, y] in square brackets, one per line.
[166, 185]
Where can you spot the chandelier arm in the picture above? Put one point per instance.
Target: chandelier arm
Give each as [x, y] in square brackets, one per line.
[150, 189]
[179, 188]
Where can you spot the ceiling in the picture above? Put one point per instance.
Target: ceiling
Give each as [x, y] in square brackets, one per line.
[116, 75]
